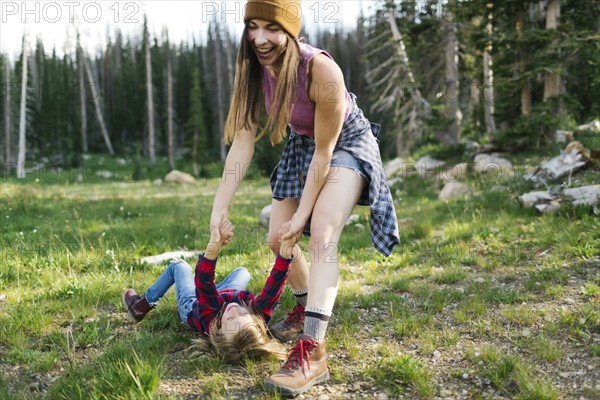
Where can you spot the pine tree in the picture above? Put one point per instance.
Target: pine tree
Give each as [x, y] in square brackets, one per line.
[195, 124]
[395, 88]
[23, 110]
[452, 88]
[170, 116]
[82, 98]
[8, 88]
[151, 144]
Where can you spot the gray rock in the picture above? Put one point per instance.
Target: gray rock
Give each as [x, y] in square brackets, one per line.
[394, 167]
[428, 163]
[456, 173]
[353, 219]
[489, 163]
[359, 228]
[265, 216]
[179, 177]
[452, 190]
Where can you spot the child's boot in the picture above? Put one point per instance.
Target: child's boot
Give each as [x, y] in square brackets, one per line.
[305, 367]
[289, 328]
[137, 306]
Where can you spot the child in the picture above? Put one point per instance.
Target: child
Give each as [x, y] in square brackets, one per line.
[233, 318]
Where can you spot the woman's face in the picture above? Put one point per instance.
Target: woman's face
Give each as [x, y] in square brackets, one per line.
[268, 40]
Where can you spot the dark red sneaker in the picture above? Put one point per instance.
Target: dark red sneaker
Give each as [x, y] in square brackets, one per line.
[289, 328]
[306, 366]
[137, 306]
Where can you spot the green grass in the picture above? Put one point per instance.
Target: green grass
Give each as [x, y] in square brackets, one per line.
[510, 374]
[398, 372]
[474, 270]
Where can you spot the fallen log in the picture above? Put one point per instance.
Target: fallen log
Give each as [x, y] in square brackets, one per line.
[551, 200]
[573, 158]
[168, 256]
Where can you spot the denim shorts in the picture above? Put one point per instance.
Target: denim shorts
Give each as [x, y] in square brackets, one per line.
[341, 158]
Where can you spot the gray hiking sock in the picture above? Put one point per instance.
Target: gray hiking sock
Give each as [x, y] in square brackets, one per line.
[315, 323]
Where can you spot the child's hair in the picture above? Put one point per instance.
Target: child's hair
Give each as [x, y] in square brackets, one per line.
[252, 341]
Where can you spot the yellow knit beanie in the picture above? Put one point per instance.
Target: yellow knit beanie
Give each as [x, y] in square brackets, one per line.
[287, 13]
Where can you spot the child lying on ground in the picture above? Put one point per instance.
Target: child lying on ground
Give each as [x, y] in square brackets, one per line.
[232, 317]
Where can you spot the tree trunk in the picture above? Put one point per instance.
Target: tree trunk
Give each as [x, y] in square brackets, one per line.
[97, 104]
[150, 104]
[406, 136]
[82, 99]
[474, 100]
[488, 76]
[7, 118]
[488, 93]
[522, 66]
[230, 78]
[22, 117]
[170, 133]
[218, 43]
[195, 143]
[553, 85]
[452, 81]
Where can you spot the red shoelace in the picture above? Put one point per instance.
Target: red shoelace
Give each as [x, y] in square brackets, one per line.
[298, 353]
[295, 316]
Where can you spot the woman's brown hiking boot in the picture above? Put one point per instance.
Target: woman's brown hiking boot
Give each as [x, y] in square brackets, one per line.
[306, 366]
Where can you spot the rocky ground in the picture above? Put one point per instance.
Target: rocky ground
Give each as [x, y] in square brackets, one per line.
[576, 375]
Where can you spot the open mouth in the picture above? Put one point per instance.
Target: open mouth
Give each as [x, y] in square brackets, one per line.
[265, 52]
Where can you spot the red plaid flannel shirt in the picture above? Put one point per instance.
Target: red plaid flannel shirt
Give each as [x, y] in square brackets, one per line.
[209, 301]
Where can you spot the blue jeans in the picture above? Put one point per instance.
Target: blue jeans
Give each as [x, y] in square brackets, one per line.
[179, 273]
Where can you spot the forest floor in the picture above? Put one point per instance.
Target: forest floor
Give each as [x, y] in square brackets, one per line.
[482, 300]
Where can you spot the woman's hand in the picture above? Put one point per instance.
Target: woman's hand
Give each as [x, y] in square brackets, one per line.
[219, 238]
[287, 242]
[292, 229]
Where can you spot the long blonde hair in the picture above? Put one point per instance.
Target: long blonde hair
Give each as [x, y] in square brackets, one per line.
[246, 104]
[252, 341]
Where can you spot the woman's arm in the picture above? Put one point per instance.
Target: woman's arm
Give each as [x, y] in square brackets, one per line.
[236, 165]
[328, 92]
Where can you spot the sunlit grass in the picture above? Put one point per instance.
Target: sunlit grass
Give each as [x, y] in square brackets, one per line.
[466, 267]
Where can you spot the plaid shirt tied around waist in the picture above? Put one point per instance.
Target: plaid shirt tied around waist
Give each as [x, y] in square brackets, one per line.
[358, 137]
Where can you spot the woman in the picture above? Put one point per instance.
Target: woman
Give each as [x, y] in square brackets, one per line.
[331, 162]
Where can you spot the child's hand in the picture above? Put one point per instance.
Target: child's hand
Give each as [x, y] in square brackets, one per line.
[287, 242]
[219, 238]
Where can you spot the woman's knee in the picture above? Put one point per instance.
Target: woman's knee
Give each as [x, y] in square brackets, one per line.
[323, 230]
[273, 242]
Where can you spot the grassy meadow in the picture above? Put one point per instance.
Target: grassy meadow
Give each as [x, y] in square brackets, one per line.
[482, 300]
